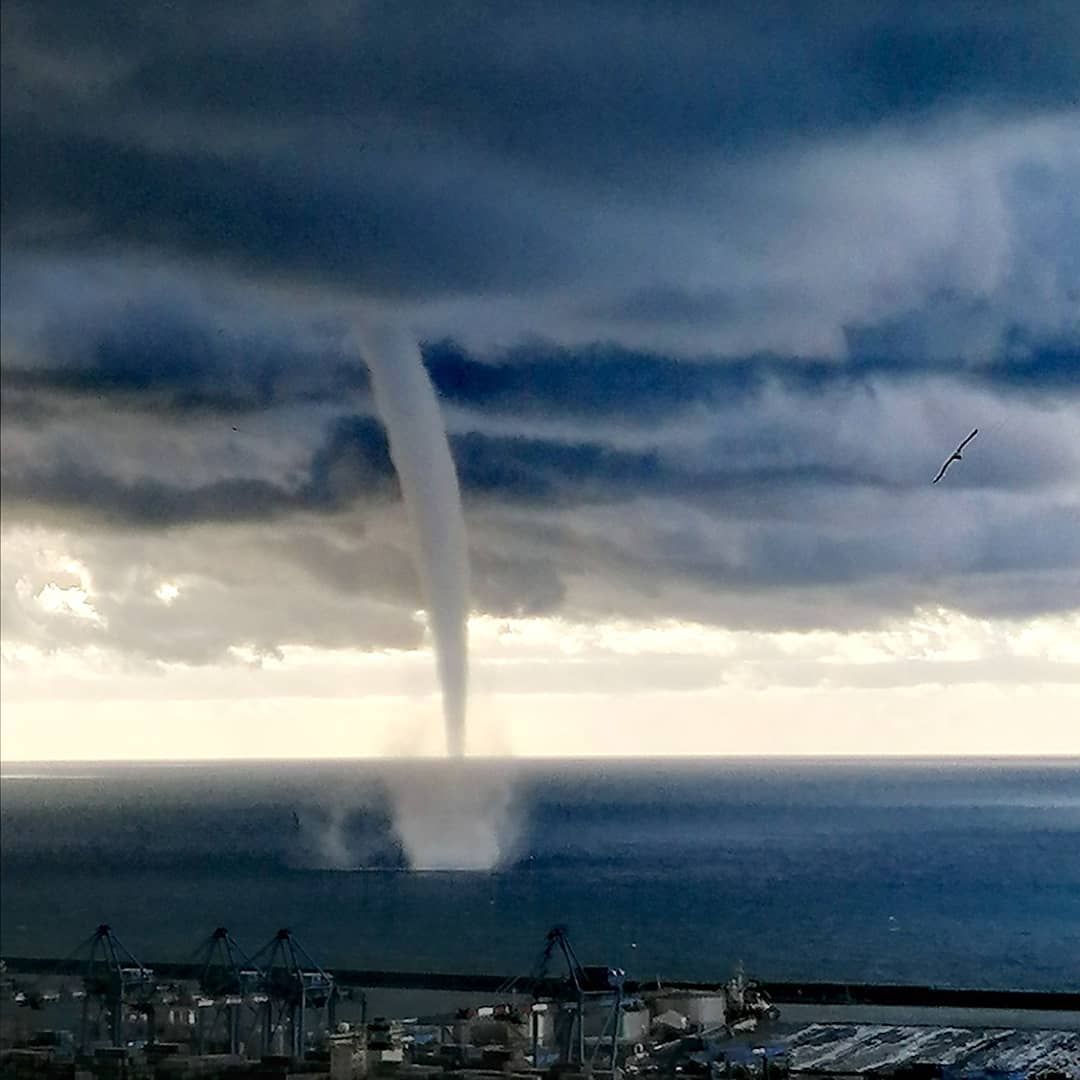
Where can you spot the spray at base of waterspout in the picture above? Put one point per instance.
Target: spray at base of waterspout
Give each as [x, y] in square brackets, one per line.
[454, 817]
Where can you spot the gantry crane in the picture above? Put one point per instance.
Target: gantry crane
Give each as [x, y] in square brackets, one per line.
[582, 985]
[293, 984]
[113, 979]
[230, 983]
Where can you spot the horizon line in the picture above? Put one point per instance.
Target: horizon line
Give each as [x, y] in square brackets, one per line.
[975, 755]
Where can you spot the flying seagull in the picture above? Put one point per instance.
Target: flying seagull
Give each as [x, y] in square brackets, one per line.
[955, 455]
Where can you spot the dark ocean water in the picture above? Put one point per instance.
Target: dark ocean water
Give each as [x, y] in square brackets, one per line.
[964, 874]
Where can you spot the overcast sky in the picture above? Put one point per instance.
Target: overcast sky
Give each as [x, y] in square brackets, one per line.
[708, 293]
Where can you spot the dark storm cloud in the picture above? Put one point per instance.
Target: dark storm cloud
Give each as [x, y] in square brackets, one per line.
[552, 474]
[640, 386]
[1052, 369]
[156, 356]
[376, 232]
[354, 460]
[353, 464]
[68, 491]
[708, 294]
[600, 84]
[659, 304]
[510, 77]
[153, 359]
[537, 380]
[753, 458]
[330, 146]
[635, 175]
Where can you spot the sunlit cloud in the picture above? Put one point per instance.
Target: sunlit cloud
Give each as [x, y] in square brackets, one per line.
[167, 592]
[72, 601]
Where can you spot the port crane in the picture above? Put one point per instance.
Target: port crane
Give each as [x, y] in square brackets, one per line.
[582, 985]
[113, 979]
[229, 981]
[294, 984]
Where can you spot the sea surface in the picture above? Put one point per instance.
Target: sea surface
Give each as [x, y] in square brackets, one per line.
[949, 873]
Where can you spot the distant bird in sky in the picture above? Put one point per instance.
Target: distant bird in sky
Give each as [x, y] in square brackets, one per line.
[955, 455]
